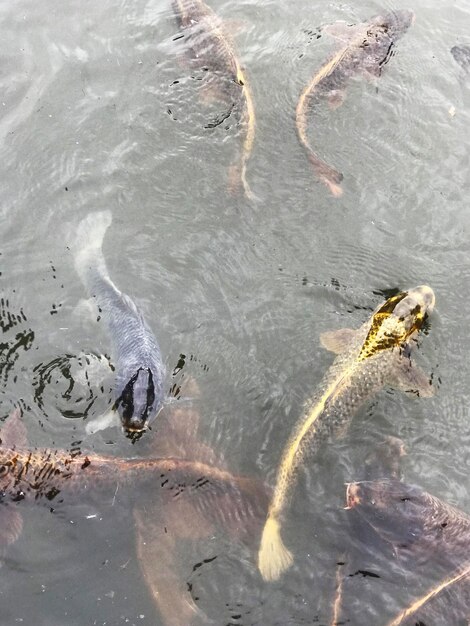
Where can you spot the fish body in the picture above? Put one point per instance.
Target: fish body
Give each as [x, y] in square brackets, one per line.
[424, 528]
[462, 55]
[375, 355]
[366, 48]
[139, 369]
[412, 520]
[211, 48]
[35, 474]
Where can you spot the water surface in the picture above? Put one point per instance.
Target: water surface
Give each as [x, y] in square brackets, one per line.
[98, 111]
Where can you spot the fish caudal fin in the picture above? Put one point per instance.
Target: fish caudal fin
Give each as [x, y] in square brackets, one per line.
[88, 242]
[273, 556]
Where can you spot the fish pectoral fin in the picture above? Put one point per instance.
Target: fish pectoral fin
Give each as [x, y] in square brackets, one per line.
[338, 341]
[111, 418]
[336, 98]
[11, 525]
[13, 431]
[411, 379]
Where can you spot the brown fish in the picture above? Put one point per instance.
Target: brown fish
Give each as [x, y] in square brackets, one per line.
[192, 499]
[366, 48]
[210, 47]
[421, 527]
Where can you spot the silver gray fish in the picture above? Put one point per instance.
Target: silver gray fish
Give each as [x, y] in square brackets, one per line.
[139, 372]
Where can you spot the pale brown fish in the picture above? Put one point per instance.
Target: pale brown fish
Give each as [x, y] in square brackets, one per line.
[365, 48]
[209, 46]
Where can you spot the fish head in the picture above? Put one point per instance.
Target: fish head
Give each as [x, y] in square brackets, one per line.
[394, 23]
[398, 320]
[138, 402]
[396, 511]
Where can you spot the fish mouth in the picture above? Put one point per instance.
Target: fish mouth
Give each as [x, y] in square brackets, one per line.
[135, 425]
[352, 496]
[426, 297]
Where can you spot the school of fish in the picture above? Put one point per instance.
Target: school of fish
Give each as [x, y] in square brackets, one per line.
[194, 492]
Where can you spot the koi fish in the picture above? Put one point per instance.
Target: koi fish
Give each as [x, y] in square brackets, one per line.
[366, 48]
[375, 355]
[420, 526]
[211, 47]
[139, 374]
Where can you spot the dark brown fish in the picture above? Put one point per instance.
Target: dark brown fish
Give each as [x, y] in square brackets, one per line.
[423, 528]
[210, 47]
[365, 48]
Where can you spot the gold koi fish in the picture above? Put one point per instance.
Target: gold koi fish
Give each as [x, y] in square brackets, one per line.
[375, 355]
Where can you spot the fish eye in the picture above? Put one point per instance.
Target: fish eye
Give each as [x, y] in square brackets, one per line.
[3, 470]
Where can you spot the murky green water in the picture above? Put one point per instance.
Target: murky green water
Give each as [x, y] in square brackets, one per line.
[92, 118]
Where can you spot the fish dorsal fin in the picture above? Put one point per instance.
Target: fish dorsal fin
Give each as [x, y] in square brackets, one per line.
[345, 32]
[13, 431]
[338, 341]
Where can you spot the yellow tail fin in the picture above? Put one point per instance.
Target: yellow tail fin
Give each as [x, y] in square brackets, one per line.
[273, 556]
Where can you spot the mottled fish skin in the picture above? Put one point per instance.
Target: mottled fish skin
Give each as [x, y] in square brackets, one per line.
[375, 355]
[462, 55]
[366, 50]
[210, 46]
[139, 369]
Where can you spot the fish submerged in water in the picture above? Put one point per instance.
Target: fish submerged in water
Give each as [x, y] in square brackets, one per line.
[462, 55]
[183, 494]
[366, 48]
[412, 520]
[420, 526]
[375, 355]
[32, 474]
[139, 367]
[211, 48]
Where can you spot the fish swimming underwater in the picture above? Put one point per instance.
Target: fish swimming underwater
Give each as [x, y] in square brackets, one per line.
[421, 527]
[366, 48]
[462, 55]
[375, 355]
[139, 369]
[211, 48]
[31, 475]
[187, 496]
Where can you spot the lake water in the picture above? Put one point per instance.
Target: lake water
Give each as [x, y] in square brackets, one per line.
[99, 112]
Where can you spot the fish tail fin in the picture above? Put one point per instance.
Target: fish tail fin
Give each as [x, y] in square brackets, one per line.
[237, 180]
[273, 556]
[328, 175]
[89, 241]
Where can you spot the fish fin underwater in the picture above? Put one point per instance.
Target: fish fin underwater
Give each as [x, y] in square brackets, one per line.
[338, 341]
[13, 432]
[273, 557]
[410, 378]
[88, 243]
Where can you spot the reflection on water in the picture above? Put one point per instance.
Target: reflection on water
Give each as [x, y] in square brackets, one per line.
[100, 110]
